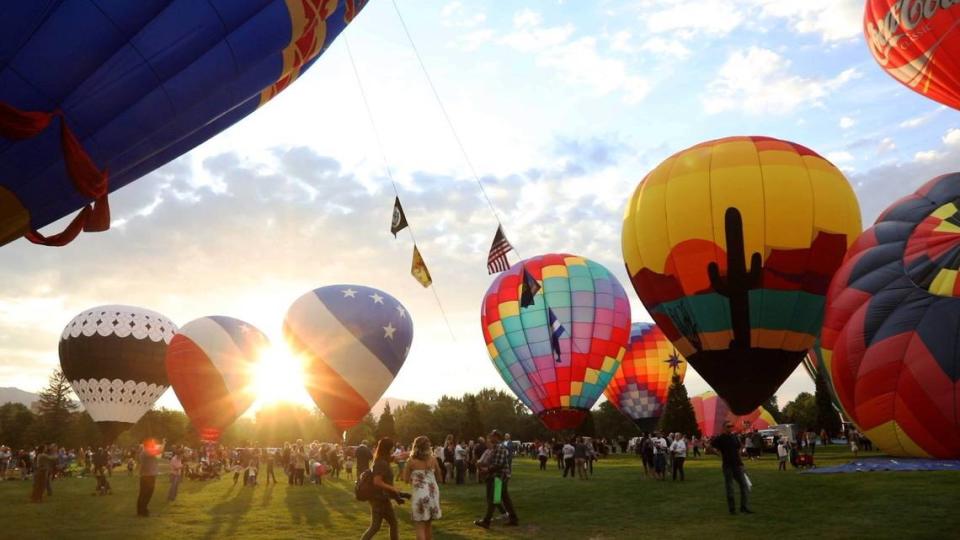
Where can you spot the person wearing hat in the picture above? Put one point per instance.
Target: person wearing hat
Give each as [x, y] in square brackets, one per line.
[499, 467]
[728, 446]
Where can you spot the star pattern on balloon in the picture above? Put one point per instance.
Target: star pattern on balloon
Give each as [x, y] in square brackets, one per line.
[402, 312]
[388, 331]
[349, 293]
[673, 361]
[377, 299]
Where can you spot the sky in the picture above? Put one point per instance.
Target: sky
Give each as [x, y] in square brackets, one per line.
[562, 107]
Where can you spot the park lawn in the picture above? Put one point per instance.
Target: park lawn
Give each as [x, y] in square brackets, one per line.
[615, 503]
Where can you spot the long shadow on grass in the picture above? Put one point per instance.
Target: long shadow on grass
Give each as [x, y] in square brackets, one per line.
[225, 517]
[305, 505]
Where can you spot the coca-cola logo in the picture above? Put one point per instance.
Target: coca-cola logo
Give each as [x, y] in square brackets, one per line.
[905, 18]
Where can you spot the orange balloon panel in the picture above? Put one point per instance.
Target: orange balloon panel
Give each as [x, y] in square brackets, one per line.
[639, 387]
[712, 412]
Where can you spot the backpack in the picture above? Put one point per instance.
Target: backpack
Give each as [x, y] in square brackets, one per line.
[364, 490]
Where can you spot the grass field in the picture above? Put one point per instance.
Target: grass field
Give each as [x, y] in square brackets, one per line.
[615, 503]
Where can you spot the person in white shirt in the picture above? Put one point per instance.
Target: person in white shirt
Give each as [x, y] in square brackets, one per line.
[460, 461]
[176, 473]
[678, 449]
[782, 453]
[568, 451]
[659, 456]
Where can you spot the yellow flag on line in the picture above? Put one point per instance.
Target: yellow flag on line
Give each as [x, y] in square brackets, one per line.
[419, 269]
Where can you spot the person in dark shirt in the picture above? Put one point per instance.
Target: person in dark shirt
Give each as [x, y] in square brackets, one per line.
[728, 446]
[363, 456]
[499, 468]
[380, 507]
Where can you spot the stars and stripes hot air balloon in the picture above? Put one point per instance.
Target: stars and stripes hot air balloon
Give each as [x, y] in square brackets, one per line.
[731, 245]
[640, 385]
[113, 358]
[210, 364]
[354, 340]
[892, 319]
[918, 43]
[712, 411]
[94, 95]
[557, 369]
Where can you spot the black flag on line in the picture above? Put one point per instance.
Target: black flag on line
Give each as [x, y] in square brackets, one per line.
[528, 289]
[399, 221]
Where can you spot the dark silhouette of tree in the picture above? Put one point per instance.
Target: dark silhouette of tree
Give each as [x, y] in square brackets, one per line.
[827, 416]
[774, 409]
[385, 424]
[55, 407]
[472, 425]
[678, 415]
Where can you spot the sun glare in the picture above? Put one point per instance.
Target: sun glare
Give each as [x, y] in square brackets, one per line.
[278, 376]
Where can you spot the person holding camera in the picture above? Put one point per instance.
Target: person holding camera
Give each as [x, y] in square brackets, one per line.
[380, 508]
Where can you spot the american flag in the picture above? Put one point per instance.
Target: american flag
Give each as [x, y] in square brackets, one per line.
[556, 330]
[497, 259]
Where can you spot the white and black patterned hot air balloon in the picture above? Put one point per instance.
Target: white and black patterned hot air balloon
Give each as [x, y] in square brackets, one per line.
[113, 358]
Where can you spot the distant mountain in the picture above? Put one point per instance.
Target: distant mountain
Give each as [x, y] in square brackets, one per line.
[16, 395]
[377, 409]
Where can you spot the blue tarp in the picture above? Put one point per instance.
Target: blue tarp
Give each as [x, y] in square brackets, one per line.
[890, 464]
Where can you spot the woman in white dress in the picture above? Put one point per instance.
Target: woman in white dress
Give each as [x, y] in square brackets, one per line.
[421, 473]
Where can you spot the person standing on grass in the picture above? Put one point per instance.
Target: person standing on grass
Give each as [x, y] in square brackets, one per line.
[659, 456]
[479, 450]
[363, 456]
[678, 449]
[580, 458]
[498, 469]
[176, 473]
[271, 458]
[460, 461]
[299, 466]
[43, 464]
[421, 473]
[543, 454]
[149, 452]
[782, 453]
[727, 445]
[568, 459]
[381, 507]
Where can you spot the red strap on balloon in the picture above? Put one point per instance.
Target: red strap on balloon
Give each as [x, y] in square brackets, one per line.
[87, 178]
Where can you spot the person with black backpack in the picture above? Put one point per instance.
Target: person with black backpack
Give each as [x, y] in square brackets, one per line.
[381, 478]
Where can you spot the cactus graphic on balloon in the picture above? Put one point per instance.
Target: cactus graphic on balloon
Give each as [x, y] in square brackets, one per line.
[739, 281]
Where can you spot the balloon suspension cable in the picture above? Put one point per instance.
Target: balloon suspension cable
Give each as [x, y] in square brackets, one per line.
[396, 190]
[446, 116]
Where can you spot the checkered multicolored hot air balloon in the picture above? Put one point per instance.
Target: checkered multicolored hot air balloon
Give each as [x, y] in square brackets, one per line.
[917, 42]
[639, 387]
[712, 411]
[354, 340]
[558, 380]
[731, 245]
[210, 364]
[891, 326]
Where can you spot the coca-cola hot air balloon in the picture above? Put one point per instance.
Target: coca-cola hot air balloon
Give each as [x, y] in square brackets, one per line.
[560, 352]
[640, 385]
[891, 326]
[731, 245]
[113, 358]
[917, 42]
[712, 411]
[210, 364]
[94, 95]
[354, 340]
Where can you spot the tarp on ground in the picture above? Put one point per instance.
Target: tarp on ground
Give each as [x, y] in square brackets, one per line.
[889, 464]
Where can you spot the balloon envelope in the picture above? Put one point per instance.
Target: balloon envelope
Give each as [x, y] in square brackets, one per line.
[918, 43]
[731, 245]
[639, 387]
[712, 411]
[891, 325]
[354, 340]
[113, 358]
[592, 308]
[210, 364]
[138, 84]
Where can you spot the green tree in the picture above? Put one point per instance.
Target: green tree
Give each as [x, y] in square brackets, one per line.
[678, 415]
[364, 431]
[412, 420]
[16, 425]
[471, 426]
[55, 408]
[827, 416]
[447, 418]
[774, 409]
[802, 411]
[612, 424]
[385, 424]
[588, 427]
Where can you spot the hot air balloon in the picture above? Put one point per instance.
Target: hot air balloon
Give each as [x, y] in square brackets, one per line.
[712, 412]
[560, 352]
[891, 325]
[113, 358]
[95, 95]
[639, 387]
[918, 44]
[354, 340]
[210, 365]
[731, 245]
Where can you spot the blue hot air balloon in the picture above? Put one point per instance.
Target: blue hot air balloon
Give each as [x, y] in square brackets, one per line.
[94, 95]
[354, 340]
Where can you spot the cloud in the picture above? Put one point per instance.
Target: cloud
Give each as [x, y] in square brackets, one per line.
[687, 20]
[832, 20]
[846, 122]
[455, 15]
[927, 156]
[838, 158]
[922, 119]
[952, 138]
[759, 81]
[578, 62]
[886, 146]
